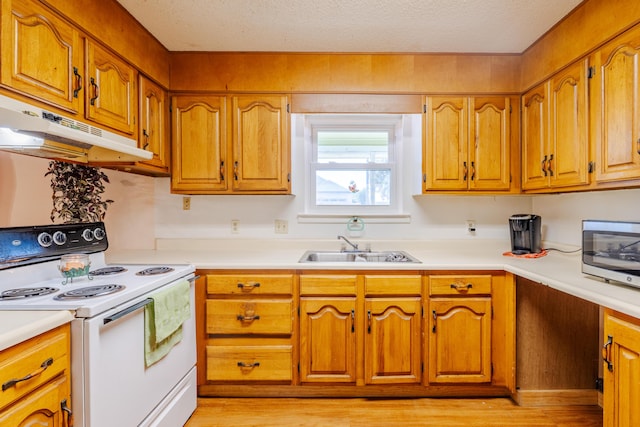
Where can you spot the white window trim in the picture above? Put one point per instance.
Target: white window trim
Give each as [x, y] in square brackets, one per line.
[333, 213]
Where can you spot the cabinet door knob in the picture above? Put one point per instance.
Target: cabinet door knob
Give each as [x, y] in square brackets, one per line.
[606, 353]
[78, 82]
[96, 91]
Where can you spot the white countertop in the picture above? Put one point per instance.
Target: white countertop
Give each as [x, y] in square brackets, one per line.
[19, 326]
[556, 270]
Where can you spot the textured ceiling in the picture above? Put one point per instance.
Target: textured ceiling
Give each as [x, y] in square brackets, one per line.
[498, 26]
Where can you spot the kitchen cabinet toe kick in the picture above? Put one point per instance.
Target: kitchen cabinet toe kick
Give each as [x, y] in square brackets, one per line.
[348, 391]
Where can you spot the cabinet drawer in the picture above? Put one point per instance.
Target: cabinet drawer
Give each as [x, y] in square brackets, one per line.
[460, 285]
[393, 285]
[237, 316]
[249, 363]
[327, 285]
[44, 357]
[273, 284]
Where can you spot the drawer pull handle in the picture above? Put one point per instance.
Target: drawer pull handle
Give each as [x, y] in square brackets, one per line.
[248, 318]
[461, 287]
[248, 286]
[35, 373]
[248, 365]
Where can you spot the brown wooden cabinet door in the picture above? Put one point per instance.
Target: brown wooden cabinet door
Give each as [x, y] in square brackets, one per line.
[622, 377]
[445, 158]
[568, 136]
[459, 337]
[328, 339]
[392, 340]
[616, 108]
[535, 126]
[489, 165]
[41, 55]
[42, 407]
[154, 123]
[199, 144]
[261, 148]
[111, 93]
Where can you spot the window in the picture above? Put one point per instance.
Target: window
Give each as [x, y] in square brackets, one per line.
[352, 163]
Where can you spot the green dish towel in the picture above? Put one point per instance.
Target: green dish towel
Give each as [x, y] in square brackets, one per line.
[163, 320]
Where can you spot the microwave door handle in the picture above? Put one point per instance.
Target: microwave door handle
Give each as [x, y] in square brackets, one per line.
[127, 310]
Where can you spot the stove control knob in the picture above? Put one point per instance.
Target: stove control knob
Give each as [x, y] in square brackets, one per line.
[99, 233]
[59, 238]
[87, 235]
[45, 240]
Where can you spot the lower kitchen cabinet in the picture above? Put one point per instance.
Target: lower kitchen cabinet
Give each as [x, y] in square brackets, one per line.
[328, 339]
[356, 333]
[621, 370]
[459, 331]
[44, 398]
[367, 324]
[392, 341]
[248, 328]
[460, 340]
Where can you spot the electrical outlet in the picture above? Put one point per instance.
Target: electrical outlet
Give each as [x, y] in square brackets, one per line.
[471, 226]
[186, 203]
[235, 226]
[281, 226]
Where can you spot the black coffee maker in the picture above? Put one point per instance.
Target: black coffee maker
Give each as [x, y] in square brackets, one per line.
[526, 234]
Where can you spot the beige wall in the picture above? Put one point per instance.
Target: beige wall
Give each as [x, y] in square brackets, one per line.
[25, 199]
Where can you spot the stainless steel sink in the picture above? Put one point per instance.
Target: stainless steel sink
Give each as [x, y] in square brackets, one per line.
[357, 256]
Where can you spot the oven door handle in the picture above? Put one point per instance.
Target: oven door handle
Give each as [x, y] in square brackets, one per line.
[127, 310]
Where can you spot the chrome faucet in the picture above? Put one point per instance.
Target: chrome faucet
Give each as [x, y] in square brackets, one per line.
[354, 246]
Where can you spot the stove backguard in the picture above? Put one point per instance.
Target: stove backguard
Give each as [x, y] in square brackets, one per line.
[20, 246]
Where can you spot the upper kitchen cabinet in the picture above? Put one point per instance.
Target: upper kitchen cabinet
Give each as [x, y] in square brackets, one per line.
[42, 55]
[555, 146]
[616, 108]
[154, 124]
[261, 148]
[111, 93]
[468, 143]
[253, 158]
[199, 144]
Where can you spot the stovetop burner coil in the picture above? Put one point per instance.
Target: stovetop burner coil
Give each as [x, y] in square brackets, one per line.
[154, 270]
[27, 292]
[90, 292]
[106, 271]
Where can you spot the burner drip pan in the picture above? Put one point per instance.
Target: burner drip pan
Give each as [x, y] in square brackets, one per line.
[26, 292]
[89, 292]
[154, 270]
[107, 271]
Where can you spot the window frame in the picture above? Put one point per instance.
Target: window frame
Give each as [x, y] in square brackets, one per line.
[392, 123]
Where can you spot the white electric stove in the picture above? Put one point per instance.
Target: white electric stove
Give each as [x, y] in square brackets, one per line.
[111, 385]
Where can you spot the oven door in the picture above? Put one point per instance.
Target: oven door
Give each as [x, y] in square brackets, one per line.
[611, 250]
[111, 385]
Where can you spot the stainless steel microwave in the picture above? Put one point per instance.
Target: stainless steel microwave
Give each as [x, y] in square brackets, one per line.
[611, 250]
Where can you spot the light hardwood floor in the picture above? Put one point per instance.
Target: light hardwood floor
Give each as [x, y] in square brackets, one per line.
[356, 412]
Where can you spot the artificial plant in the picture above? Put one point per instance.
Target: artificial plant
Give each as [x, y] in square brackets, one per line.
[77, 192]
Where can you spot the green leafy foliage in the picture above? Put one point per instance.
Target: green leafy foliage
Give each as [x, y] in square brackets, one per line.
[77, 192]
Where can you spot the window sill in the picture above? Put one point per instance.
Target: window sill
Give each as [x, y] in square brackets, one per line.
[342, 218]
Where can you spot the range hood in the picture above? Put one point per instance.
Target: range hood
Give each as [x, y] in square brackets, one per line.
[27, 129]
